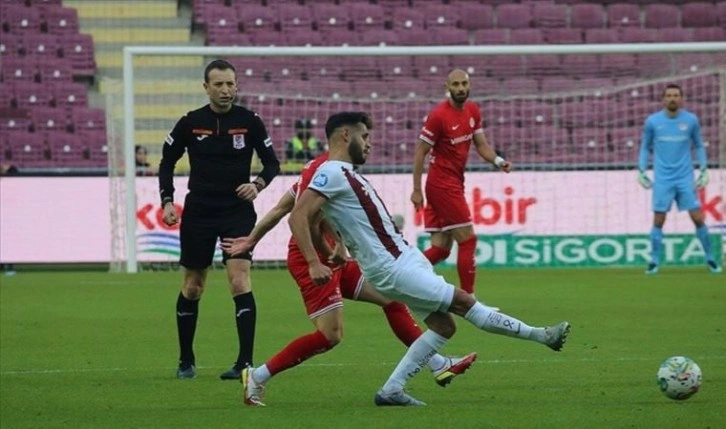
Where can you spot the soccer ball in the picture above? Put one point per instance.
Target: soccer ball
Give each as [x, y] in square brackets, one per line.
[679, 377]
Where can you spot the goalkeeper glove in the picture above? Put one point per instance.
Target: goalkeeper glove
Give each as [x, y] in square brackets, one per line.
[644, 180]
[702, 180]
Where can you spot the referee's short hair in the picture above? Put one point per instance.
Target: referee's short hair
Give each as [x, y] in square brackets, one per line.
[341, 119]
[218, 65]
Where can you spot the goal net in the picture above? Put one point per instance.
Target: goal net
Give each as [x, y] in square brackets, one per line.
[569, 117]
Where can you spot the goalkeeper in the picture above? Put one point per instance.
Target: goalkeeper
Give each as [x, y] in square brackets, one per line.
[669, 134]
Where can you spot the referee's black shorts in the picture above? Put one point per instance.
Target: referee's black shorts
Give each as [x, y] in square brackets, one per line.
[202, 224]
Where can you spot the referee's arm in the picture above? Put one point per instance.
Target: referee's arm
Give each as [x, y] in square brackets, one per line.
[266, 153]
[173, 149]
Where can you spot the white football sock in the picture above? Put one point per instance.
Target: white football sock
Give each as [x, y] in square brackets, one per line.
[418, 355]
[499, 323]
[261, 374]
[436, 362]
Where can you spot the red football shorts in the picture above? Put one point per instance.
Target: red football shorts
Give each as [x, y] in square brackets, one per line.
[445, 209]
[319, 299]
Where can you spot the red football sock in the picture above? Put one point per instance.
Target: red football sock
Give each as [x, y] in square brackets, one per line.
[466, 265]
[298, 351]
[402, 323]
[436, 254]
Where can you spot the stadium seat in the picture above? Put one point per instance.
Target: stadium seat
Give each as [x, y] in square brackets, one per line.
[661, 16]
[255, 17]
[623, 15]
[602, 35]
[88, 119]
[41, 45]
[62, 21]
[451, 36]
[441, 15]
[69, 94]
[709, 34]
[295, 15]
[587, 15]
[506, 65]
[17, 69]
[519, 86]
[476, 16]
[373, 37]
[49, 119]
[549, 15]
[721, 12]
[526, 36]
[563, 35]
[499, 36]
[514, 16]
[27, 150]
[78, 48]
[541, 65]
[19, 121]
[366, 16]
[31, 95]
[21, 20]
[674, 35]
[339, 36]
[331, 15]
[581, 65]
[407, 19]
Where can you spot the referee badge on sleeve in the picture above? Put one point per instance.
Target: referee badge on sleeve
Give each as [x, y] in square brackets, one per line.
[238, 141]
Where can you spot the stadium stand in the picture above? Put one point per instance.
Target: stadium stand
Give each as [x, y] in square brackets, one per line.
[51, 52]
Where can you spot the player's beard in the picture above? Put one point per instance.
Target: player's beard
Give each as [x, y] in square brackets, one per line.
[672, 107]
[459, 99]
[355, 152]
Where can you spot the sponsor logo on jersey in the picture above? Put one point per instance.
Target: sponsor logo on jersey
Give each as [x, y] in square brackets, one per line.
[471, 122]
[683, 126]
[461, 139]
[268, 142]
[169, 139]
[321, 179]
[238, 141]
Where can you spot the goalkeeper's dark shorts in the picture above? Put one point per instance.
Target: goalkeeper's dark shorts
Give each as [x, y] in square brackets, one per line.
[202, 225]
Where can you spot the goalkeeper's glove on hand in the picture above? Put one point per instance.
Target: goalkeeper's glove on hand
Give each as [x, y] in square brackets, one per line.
[644, 180]
[702, 180]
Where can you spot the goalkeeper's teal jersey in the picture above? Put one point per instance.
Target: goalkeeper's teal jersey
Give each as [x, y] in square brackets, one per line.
[671, 140]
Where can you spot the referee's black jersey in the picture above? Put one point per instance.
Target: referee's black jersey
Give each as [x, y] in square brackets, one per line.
[220, 153]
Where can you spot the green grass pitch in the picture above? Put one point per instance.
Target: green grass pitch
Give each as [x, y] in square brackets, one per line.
[96, 350]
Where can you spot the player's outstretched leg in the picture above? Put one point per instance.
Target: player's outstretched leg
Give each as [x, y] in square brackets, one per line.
[485, 318]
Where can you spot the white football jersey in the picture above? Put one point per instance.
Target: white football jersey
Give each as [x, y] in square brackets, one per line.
[358, 213]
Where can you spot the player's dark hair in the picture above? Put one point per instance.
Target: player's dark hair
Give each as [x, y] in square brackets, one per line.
[342, 119]
[218, 65]
[673, 86]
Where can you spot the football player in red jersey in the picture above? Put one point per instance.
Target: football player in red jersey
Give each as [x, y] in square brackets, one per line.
[447, 135]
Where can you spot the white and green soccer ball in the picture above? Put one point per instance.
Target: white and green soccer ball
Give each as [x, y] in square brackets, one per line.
[679, 377]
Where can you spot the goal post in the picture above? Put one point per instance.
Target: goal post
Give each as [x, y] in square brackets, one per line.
[504, 114]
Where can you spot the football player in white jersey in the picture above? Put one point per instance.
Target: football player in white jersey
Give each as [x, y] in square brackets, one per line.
[395, 268]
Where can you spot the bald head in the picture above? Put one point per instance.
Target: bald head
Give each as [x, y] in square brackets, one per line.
[457, 83]
[457, 74]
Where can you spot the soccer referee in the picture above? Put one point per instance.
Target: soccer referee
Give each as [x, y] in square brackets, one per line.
[220, 139]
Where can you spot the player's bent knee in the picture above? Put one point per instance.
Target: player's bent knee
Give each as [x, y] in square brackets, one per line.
[441, 323]
[334, 336]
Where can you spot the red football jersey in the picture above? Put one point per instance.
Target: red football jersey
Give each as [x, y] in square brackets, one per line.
[306, 176]
[450, 132]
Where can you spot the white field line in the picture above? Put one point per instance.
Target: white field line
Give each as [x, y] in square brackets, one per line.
[346, 364]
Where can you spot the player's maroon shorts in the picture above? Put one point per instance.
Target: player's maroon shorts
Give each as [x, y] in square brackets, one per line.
[445, 209]
[319, 299]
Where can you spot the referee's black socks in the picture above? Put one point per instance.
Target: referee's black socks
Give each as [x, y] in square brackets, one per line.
[186, 324]
[246, 317]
